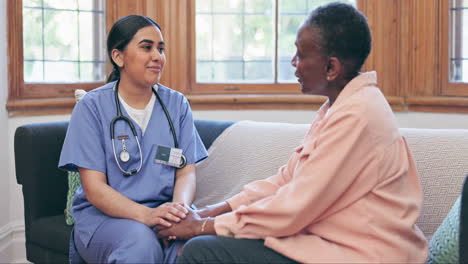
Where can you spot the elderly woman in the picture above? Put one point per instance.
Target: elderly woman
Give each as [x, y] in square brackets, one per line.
[349, 193]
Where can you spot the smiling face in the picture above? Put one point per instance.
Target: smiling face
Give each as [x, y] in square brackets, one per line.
[311, 65]
[142, 61]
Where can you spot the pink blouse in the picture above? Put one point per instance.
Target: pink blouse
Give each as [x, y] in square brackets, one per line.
[349, 193]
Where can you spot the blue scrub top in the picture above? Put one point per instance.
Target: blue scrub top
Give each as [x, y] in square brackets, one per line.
[88, 145]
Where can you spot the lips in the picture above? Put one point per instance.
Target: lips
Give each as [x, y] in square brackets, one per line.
[299, 79]
[156, 69]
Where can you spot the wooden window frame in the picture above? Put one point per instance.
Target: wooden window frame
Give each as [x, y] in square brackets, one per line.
[409, 51]
[32, 96]
[241, 88]
[448, 88]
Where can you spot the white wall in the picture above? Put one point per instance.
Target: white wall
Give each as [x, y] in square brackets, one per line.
[11, 202]
[4, 203]
[4, 146]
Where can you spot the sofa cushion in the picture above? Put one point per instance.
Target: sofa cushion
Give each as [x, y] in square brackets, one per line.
[51, 232]
[443, 247]
[440, 157]
[73, 183]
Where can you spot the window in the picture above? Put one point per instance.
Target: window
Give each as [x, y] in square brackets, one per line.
[58, 52]
[458, 41]
[61, 49]
[454, 48]
[244, 42]
[419, 52]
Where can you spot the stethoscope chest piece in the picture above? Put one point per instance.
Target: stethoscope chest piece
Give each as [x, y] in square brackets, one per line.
[124, 156]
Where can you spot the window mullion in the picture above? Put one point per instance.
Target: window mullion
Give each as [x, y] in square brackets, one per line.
[243, 40]
[78, 40]
[276, 26]
[455, 61]
[43, 42]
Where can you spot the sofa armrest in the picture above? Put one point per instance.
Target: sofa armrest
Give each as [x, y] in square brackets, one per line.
[464, 224]
[37, 150]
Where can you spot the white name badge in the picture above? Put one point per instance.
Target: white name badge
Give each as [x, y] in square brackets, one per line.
[169, 156]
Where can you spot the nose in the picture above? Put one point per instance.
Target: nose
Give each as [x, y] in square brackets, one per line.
[156, 55]
[293, 61]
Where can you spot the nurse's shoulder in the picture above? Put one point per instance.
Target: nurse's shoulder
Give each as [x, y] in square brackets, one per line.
[96, 94]
[170, 96]
[90, 102]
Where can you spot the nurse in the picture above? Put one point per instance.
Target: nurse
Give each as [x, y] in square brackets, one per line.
[129, 189]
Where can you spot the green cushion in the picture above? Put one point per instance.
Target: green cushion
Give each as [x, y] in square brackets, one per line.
[73, 177]
[443, 247]
[73, 184]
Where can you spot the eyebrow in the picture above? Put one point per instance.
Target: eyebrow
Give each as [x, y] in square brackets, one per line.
[151, 42]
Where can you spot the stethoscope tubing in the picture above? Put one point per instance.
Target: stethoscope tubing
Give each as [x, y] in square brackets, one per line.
[121, 117]
[168, 117]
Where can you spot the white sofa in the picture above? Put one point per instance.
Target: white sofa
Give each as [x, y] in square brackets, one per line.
[249, 150]
[245, 151]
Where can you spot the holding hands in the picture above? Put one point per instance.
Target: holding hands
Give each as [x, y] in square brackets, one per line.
[193, 223]
[165, 215]
[189, 227]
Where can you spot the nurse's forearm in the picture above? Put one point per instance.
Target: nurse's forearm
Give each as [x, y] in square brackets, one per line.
[108, 200]
[185, 184]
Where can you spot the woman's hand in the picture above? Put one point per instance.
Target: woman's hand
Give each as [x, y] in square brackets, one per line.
[185, 229]
[165, 215]
[204, 212]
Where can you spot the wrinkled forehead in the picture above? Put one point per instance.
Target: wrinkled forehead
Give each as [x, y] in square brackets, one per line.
[308, 38]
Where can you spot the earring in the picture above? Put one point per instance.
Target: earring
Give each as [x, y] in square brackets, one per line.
[328, 78]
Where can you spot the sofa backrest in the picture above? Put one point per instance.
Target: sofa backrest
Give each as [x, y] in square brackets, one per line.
[441, 156]
[244, 152]
[249, 151]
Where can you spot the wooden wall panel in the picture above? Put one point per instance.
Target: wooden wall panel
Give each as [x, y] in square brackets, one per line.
[175, 22]
[383, 17]
[423, 48]
[173, 17]
[152, 8]
[119, 8]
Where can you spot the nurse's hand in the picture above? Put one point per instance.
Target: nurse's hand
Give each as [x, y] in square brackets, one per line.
[185, 229]
[165, 214]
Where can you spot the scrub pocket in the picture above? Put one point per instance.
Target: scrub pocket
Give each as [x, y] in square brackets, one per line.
[165, 177]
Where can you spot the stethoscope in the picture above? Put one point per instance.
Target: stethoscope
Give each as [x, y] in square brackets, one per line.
[125, 155]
